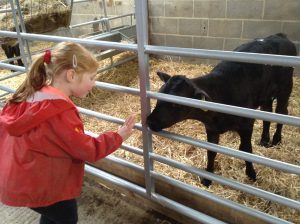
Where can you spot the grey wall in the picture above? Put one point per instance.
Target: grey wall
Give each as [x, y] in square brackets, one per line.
[87, 11]
[221, 24]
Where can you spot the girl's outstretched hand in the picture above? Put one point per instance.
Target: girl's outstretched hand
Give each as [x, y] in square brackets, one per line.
[126, 129]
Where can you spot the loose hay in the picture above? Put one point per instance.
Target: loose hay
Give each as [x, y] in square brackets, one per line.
[40, 16]
[121, 105]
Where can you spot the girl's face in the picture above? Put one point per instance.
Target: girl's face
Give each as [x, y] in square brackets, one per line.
[83, 84]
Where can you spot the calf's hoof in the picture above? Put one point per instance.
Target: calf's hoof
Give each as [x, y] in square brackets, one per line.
[276, 140]
[265, 143]
[251, 174]
[206, 182]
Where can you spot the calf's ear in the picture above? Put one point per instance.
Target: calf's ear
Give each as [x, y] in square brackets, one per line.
[163, 76]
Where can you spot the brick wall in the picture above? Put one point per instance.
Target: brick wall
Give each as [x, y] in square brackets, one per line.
[221, 24]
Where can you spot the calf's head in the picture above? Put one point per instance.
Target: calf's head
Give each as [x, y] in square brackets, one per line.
[165, 114]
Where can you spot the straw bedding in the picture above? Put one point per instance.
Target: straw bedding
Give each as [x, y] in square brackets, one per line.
[40, 16]
[121, 105]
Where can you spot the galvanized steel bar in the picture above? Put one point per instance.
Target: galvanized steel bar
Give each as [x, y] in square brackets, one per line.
[10, 59]
[126, 147]
[222, 201]
[5, 10]
[115, 180]
[125, 163]
[198, 216]
[225, 55]
[6, 89]
[17, 27]
[105, 117]
[117, 88]
[141, 12]
[279, 165]
[11, 75]
[120, 62]
[228, 109]
[3, 95]
[216, 148]
[189, 212]
[286, 167]
[227, 182]
[23, 28]
[97, 43]
[100, 20]
[233, 184]
[202, 193]
[12, 67]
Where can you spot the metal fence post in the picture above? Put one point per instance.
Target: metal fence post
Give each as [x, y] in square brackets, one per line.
[141, 12]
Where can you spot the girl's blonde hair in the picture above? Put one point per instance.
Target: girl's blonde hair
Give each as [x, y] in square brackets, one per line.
[65, 55]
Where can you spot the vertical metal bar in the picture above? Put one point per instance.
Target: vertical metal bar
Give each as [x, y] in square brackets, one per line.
[141, 12]
[20, 39]
[23, 28]
[105, 15]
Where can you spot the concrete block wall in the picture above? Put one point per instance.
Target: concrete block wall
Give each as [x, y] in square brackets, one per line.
[220, 24]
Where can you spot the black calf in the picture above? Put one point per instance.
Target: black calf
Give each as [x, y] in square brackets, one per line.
[12, 51]
[233, 83]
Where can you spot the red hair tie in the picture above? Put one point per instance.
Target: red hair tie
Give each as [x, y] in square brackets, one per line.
[47, 57]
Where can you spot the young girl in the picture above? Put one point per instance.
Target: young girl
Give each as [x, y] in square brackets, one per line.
[42, 145]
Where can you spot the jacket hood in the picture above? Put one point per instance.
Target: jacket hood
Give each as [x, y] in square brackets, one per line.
[18, 118]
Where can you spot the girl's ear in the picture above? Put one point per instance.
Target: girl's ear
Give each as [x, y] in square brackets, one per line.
[70, 75]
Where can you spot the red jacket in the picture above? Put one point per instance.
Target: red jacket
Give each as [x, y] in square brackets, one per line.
[43, 148]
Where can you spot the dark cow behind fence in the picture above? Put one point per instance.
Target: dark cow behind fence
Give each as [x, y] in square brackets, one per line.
[233, 83]
[12, 51]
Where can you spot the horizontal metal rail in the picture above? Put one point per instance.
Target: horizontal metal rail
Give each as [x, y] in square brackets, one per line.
[210, 146]
[120, 62]
[219, 200]
[246, 57]
[198, 216]
[117, 88]
[100, 20]
[80, 1]
[197, 191]
[20, 57]
[12, 67]
[10, 59]
[247, 156]
[3, 95]
[203, 218]
[94, 43]
[5, 10]
[228, 109]
[276, 164]
[205, 174]
[6, 89]
[279, 165]
[227, 182]
[223, 108]
[128, 148]
[14, 74]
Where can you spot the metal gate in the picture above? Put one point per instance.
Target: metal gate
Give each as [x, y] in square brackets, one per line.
[143, 49]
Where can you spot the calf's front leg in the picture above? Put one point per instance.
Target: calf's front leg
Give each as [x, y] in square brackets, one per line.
[213, 138]
[246, 146]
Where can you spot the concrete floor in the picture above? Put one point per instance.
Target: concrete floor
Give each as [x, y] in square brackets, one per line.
[96, 205]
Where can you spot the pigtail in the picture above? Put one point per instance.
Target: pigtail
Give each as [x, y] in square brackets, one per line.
[35, 80]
